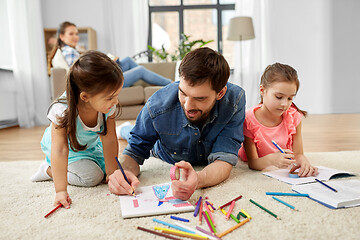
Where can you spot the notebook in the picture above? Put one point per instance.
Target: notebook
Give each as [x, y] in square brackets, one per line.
[152, 200]
[347, 195]
[325, 173]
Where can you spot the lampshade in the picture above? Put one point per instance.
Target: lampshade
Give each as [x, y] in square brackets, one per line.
[240, 29]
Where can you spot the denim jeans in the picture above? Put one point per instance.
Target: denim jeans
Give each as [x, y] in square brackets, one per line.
[133, 72]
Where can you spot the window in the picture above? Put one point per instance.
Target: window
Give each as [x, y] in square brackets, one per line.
[199, 19]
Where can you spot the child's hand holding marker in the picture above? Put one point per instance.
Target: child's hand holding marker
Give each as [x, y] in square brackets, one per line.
[63, 199]
[284, 158]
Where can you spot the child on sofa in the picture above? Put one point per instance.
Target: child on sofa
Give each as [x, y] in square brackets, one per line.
[82, 116]
[65, 54]
[276, 118]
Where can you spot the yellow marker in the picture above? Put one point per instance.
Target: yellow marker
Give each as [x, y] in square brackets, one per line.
[246, 214]
[181, 233]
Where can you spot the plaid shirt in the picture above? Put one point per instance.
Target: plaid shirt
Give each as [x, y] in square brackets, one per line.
[70, 54]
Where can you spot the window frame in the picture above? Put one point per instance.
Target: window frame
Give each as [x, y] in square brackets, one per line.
[181, 8]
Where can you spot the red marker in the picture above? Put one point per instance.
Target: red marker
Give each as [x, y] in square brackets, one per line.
[56, 208]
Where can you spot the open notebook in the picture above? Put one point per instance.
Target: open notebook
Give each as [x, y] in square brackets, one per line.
[347, 195]
[325, 173]
[152, 200]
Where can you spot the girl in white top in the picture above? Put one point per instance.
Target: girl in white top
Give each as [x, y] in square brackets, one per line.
[80, 118]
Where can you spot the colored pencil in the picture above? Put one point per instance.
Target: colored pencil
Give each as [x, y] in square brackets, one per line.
[227, 204]
[232, 205]
[209, 234]
[285, 203]
[241, 214]
[157, 233]
[181, 233]
[287, 194]
[171, 225]
[324, 184]
[200, 213]
[211, 205]
[125, 177]
[180, 219]
[211, 217]
[266, 210]
[197, 207]
[245, 213]
[210, 221]
[197, 231]
[233, 228]
[56, 208]
[232, 216]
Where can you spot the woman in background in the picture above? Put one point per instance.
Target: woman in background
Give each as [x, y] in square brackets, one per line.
[65, 54]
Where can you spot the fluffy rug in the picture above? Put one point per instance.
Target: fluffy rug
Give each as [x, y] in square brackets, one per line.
[95, 214]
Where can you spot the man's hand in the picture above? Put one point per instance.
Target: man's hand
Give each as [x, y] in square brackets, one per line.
[183, 189]
[118, 185]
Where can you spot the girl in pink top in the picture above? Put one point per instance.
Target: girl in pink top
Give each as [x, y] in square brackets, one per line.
[276, 118]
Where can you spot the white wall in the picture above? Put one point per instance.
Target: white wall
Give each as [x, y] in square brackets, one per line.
[321, 40]
[84, 13]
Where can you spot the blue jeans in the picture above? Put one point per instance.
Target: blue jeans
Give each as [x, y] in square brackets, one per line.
[133, 72]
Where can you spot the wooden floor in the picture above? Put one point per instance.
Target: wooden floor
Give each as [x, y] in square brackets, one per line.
[321, 133]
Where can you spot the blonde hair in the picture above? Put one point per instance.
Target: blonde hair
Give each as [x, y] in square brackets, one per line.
[278, 72]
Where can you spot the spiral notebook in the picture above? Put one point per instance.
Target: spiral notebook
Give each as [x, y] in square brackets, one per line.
[152, 200]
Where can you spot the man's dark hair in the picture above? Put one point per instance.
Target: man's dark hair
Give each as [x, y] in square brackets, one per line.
[205, 64]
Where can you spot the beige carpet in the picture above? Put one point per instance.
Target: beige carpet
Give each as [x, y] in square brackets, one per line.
[95, 214]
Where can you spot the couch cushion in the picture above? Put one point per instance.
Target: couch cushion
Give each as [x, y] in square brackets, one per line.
[129, 112]
[131, 96]
[166, 69]
[150, 91]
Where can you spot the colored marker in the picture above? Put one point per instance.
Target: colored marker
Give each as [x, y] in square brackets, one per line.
[333, 189]
[285, 203]
[287, 194]
[232, 216]
[227, 204]
[171, 225]
[180, 233]
[196, 212]
[123, 172]
[56, 208]
[266, 210]
[280, 149]
[157, 233]
[179, 218]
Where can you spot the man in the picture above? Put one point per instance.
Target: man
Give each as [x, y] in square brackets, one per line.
[196, 121]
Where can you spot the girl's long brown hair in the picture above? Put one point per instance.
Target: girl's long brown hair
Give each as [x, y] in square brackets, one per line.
[278, 72]
[59, 43]
[92, 73]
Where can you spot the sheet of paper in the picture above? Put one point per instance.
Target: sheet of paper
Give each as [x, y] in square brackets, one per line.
[152, 200]
[325, 173]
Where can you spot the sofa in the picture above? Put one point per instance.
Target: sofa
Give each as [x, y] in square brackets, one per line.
[131, 99]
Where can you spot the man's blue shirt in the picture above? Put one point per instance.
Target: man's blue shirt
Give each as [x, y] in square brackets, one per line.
[163, 128]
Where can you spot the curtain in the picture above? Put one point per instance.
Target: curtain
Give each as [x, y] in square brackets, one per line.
[127, 23]
[27, 44]
[256, 53]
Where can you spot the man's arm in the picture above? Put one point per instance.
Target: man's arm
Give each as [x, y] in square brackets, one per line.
[213, 174]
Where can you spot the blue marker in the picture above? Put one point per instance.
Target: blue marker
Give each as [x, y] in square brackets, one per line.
[277, 146]
[280, 149]
[180, 219]
[172, 225]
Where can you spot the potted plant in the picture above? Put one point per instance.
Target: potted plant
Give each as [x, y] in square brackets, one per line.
[184, 47]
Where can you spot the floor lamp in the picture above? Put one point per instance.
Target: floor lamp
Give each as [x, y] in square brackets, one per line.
[240, 29]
